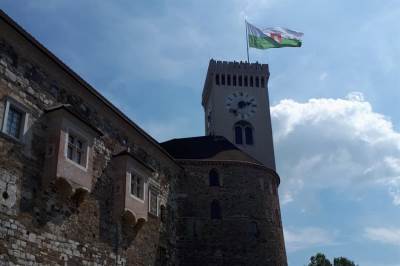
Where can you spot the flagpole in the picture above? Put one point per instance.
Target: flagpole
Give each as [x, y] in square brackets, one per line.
[247, 42]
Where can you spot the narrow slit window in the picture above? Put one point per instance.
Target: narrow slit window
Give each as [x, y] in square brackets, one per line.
[229, 80]
[234, 80]
[248, 131]
[217, 79]
[238, 135]
[215, 210]
[257, 82]
[246, 81]
[262, 82]
[222, 79]
[214, 178]
[251, 81]
[240, 80]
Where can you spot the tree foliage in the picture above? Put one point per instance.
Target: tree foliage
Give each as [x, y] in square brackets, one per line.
[341, 261]
[320, 260]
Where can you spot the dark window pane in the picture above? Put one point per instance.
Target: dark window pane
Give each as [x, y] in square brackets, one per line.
[240, 80]
[238, 135]
[223, 79]
[215, 210]
[245, 81]
[234, 80]
[257, 82]
[14, 119]
[217, 79]
[153, 202]
[214, 178]
[251, 81]
[79, 157]
[229, 80]
[262, 82]
[70, 152]
[248, 131]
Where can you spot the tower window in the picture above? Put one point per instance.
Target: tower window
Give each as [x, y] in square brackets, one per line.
[214, 178]
[243, 129]
[238, 134]
[257, 82]
[234, 80]
[228, 80]
[217, 79]
[222, 79]
[262, 82]
[248, 132]
[246, 81]
[240, 81]
[215, 210]
[251, 81]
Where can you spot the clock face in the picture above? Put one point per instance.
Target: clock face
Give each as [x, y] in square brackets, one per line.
[241, 104]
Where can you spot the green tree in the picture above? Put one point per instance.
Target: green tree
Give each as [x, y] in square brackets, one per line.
[319, 260]
[341, 261]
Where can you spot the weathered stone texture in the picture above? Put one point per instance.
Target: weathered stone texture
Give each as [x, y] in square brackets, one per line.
[249, 231]
[45, 221]
[38, 225]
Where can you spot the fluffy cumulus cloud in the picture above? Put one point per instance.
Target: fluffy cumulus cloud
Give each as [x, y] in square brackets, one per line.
[335, 143]
[383, 235]
[297, 239]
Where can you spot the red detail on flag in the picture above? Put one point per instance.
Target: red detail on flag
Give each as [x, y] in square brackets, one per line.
[276, 36]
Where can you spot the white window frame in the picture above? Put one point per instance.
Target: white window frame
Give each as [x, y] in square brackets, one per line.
[24, 119]
[85, 149]
[156, 191]
[134, 173]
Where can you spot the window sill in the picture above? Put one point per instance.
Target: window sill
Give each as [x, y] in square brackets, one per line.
[76, 164]
[136, 198]
[11, 138]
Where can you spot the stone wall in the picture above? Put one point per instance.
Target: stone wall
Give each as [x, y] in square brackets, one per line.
[38, 225]
[249, 231]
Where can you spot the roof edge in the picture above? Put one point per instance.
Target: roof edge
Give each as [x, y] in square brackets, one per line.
[80, 80]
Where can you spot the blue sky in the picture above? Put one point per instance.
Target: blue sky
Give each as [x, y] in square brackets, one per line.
[334, 102]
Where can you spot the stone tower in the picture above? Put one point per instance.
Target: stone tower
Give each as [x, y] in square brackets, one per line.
[236, 106]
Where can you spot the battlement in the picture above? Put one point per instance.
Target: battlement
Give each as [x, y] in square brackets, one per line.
[243, 67]
[236, 74]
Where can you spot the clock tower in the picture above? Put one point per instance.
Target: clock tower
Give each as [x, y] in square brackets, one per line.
[236, 106]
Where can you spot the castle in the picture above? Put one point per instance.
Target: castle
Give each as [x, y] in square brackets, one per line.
[82, 184]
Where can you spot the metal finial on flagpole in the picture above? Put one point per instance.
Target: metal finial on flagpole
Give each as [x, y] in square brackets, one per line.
[247, 42]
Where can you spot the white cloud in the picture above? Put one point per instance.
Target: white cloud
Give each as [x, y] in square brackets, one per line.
[307, 238]
[384, 235]
[335, 143]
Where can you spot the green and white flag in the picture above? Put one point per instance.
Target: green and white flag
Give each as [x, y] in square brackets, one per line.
[273, 37]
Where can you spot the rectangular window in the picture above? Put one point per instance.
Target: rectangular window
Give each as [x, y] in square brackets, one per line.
[14, 120]
[76, 149]
[153, 202]
[240, 80]
[251, 81]
[257, 82]
[217, 79]
[245, 81]
[223, 79]
[234, 80]
[229, 80]
[137, 186]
